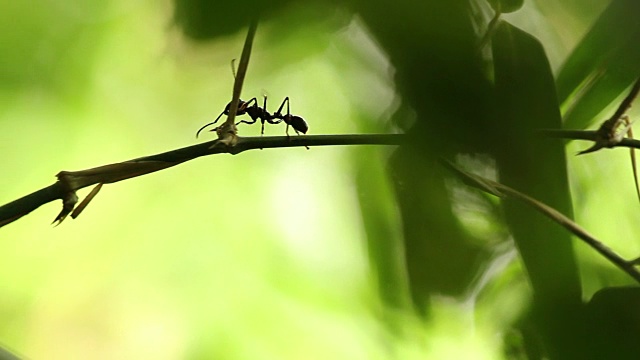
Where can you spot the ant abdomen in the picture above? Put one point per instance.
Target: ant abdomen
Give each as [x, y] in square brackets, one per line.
[297, 123]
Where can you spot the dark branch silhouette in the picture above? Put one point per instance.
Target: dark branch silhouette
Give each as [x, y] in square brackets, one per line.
[70, 181]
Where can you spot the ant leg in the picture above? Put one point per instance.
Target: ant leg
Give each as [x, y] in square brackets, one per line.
[253, 121]
[264, 108]
[278, 114]
[275, 122]
[269, 118]
[211, 123]
[285, 101]
[288, 118]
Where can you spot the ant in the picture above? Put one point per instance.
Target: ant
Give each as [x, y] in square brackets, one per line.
[255, 112]
[252, 109]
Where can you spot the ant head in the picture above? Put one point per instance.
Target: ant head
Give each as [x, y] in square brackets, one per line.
[241, 105]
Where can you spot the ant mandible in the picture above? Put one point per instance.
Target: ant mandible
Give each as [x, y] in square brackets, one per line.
[252, 109]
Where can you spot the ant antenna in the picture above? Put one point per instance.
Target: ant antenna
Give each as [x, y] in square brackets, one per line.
[233, 71]
[211, 123]
[233, 67]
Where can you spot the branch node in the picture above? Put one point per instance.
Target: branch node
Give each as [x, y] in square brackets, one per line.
[227, 136]
[610, 134]
[634, 262]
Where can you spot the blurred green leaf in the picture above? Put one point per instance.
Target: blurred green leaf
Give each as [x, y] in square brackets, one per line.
[206, 20]
[526, 101]
[437, 72]
[506, 6]
[613, 322]
[7, 355]
[603, 65]
[49, 46]
[384, 237]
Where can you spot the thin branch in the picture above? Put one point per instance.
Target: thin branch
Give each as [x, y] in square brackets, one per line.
[228, 130]
[501, 190]
[70, 181]
[634, 164]
[591, 135]
[626, 103]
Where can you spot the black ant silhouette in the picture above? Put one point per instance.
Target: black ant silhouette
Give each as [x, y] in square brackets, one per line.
[256, 113]
[252, 109]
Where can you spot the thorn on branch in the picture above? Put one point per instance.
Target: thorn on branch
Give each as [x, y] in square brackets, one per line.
[68, 203]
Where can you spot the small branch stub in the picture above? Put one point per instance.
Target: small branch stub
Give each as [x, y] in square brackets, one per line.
[68, 204]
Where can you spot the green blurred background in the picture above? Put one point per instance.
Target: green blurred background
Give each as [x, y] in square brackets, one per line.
[263, 255]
